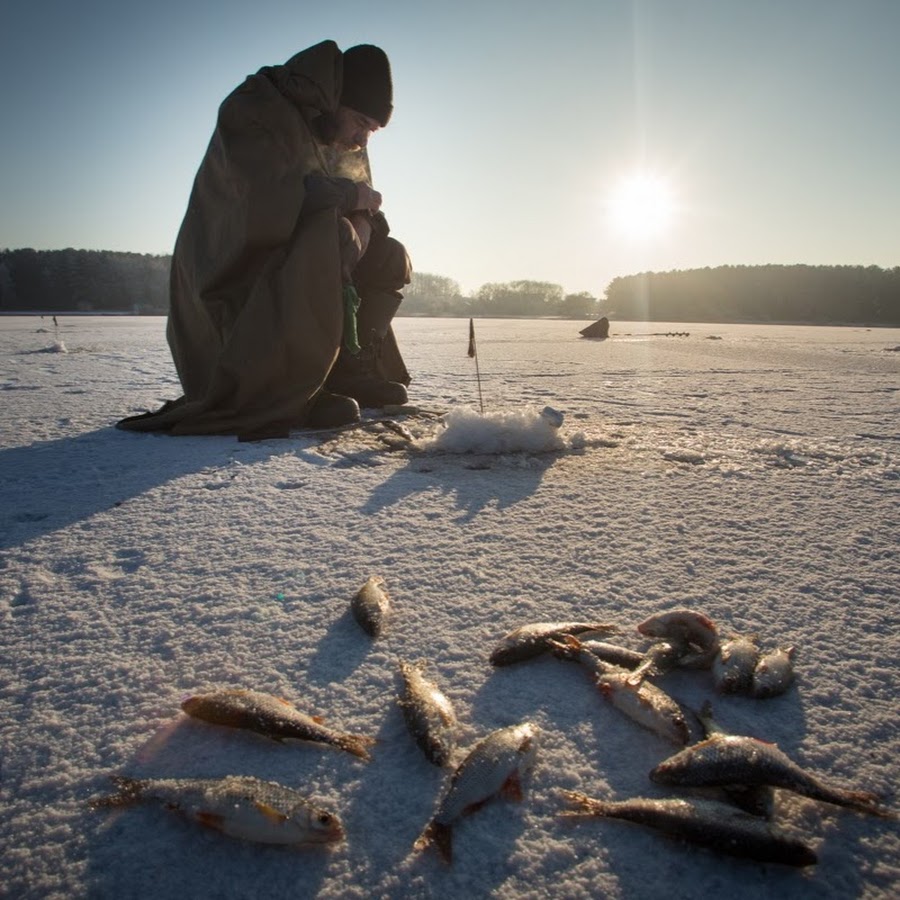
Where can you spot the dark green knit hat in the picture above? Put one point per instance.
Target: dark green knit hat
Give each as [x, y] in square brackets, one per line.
[367, 85]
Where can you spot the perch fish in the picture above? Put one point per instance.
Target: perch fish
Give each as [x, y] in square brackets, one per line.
[371, 606]
[239, 806]
[532, 640]
[708, 823]
[696, 631]
[642, 702]
[272, 717]
[429, 714]
[496, 765]
[726, 759]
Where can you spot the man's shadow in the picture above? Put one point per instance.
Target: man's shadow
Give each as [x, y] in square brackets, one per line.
[48, 485]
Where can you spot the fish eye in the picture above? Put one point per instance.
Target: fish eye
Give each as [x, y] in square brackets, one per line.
[324, 818]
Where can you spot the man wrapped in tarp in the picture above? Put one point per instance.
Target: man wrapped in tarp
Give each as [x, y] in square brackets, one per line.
[284, 278]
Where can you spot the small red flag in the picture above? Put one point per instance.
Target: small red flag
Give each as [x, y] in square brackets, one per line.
[472, 337]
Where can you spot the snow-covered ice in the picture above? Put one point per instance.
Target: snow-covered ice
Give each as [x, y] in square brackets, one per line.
[750, 472]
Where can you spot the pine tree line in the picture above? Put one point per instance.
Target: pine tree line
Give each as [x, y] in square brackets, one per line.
[106, 281]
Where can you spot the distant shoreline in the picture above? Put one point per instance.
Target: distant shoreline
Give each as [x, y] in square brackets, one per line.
[123, 314]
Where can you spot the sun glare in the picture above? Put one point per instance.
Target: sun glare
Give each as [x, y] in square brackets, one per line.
[641, 206]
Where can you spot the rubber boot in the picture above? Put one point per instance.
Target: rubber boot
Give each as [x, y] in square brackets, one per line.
[329, 410]
[360, 376]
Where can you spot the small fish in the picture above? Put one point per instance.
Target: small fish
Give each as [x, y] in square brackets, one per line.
[496, 765]
[643, 702]
[272, 717]
[239, 806]
[774, 673]
[688, 627]
[659, 659]
[756, 799]
[532, 640]
[614, 654]
[707, 823]
[429, 715]
[371, 606]
[727, 759]
[734, 666]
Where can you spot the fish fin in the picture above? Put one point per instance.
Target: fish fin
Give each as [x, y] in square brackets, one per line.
[356, 744]
[130, 790]
[210, 819]
[586, 805]
[440, 837]
[285, 702]
[319, 720]
[512, 788]
[270, 812]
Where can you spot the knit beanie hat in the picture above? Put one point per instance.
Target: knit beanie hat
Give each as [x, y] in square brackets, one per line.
[367, 86]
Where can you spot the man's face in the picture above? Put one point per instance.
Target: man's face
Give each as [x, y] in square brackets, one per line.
[353, 128]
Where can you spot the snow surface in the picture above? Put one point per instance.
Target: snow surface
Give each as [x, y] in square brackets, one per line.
[748, 472]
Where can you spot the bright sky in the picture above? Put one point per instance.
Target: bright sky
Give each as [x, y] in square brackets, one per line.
[568, 141]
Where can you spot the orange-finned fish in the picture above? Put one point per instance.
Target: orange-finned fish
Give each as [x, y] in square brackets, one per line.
[239, 806]
[494, 766]
[730, 759]
[532, 640]
[709, 823]
[271, 716]
[696, 632]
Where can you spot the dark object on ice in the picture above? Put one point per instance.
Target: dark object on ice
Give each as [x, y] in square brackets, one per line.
[599, 329]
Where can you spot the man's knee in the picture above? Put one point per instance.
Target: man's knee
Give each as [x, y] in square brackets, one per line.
[385, 266]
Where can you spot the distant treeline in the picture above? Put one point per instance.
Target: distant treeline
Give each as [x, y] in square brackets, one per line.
[83, 281]
[835, 295]
[106, 281]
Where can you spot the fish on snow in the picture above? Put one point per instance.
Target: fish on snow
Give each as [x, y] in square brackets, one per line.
[708, 823]
[642, 702]
[734, 666]
[696, 632]
[532, 640]
[240, 806]
[272, 717]
[495, 766]
[728, 759]
[429, 714]
[371, 606]
[774, 673]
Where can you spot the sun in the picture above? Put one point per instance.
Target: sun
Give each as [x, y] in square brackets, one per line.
[641, 205]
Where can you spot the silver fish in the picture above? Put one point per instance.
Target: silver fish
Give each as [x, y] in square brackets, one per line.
[496, 765]
[614, 654]
[774, 673]
[532, 640]
[725, 759]
[271, 716]
[371, 606]
[696, 631]
[658, 659]
[429, 714]
[756, 799]
[643, 702]
[239, 806]
[707, 823]
[734, 666]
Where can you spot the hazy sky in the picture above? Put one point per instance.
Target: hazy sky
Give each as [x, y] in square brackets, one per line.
[769, 128]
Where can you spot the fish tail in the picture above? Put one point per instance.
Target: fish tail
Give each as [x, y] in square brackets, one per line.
[130, 790]
[867, 802]
[585, 805]
[357, 744]
[439, 836]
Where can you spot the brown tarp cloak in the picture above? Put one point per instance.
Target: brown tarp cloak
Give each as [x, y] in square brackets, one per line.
[256, 314]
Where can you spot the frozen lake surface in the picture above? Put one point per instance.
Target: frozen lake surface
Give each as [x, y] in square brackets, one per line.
[751, 472]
